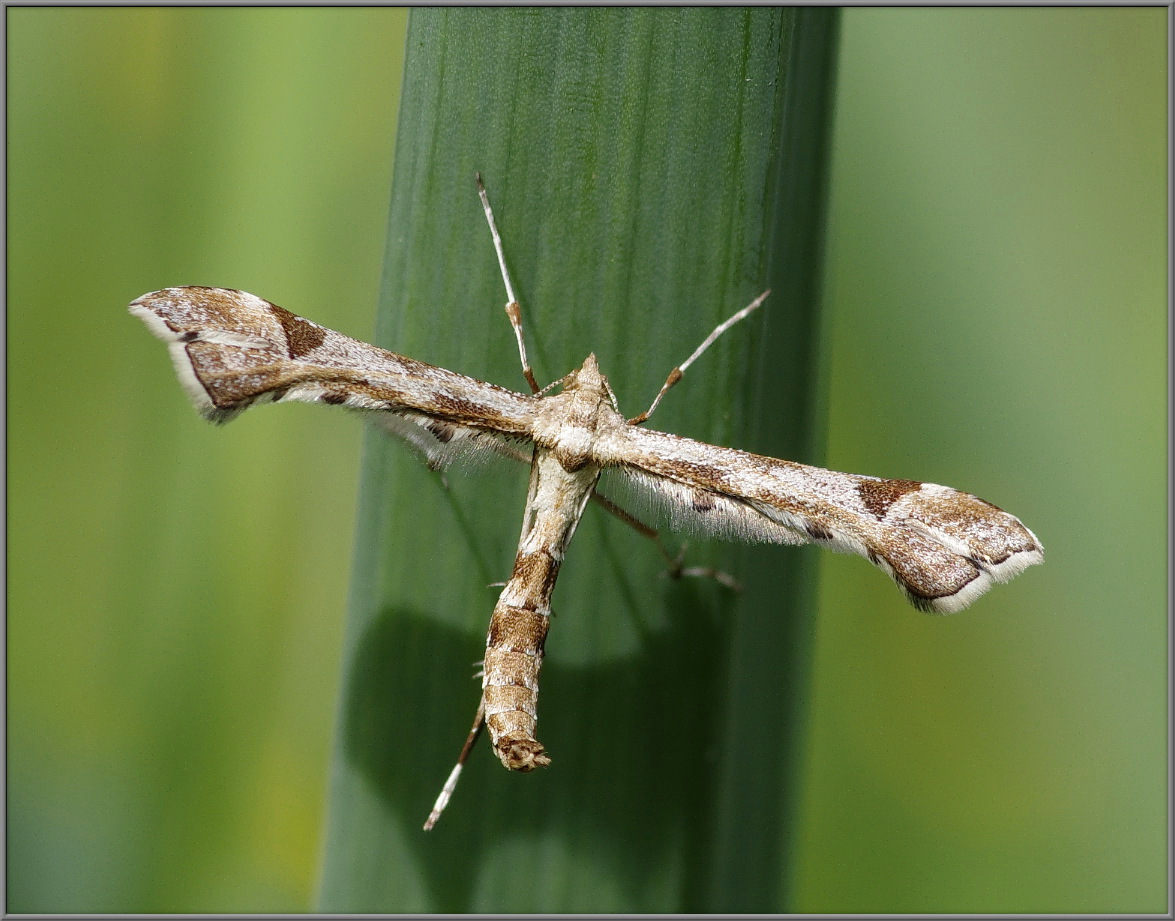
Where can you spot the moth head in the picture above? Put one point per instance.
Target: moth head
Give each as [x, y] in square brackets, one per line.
[588, 377]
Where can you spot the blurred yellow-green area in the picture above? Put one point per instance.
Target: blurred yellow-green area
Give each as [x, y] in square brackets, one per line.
[997, 320]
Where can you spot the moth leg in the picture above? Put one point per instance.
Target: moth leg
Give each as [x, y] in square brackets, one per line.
[675, 570]
[447, 790]
[513, 310]
[676, 373]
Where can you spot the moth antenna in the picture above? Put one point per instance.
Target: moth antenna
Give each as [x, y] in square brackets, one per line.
[513, 310]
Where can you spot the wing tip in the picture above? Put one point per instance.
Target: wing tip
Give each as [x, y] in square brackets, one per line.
[986, 576]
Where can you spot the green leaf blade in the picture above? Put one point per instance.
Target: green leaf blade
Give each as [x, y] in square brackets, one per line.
[638, 164]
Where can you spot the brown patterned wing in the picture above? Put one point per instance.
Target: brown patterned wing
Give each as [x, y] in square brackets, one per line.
[943, 548]
[232, 350]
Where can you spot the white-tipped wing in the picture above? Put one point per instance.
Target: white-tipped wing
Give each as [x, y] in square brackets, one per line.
[943, 548]
[232, 350]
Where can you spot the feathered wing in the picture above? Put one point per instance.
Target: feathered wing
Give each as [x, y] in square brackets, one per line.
[232, 350]
[943, 548]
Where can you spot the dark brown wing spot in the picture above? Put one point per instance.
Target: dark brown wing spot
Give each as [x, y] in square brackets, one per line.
[880, 495]
[441, 432]
[302, 336]
[465, 409]
[706, 472]
[923, 598]
[703, 502]
[334, 397]
[818, 531]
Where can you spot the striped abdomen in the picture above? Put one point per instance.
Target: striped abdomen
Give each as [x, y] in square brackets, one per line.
[518, 628]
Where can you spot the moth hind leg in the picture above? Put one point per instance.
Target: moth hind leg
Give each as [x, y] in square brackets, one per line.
[451, 783]
[675, 569]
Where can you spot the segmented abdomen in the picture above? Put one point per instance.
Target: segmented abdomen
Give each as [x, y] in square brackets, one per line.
[514, 655]
[518, 628]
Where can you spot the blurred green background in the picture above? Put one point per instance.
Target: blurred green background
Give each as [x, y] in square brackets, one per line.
[996, 320]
